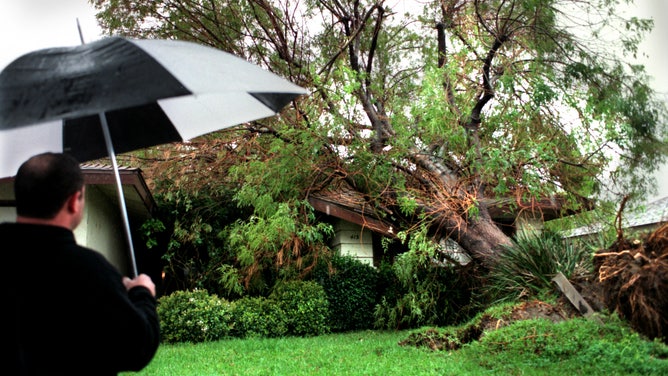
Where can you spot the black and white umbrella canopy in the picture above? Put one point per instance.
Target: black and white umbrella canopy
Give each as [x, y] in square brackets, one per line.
[117, 95]
[151, 92]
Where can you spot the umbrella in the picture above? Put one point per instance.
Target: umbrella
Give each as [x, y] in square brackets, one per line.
[117, 95]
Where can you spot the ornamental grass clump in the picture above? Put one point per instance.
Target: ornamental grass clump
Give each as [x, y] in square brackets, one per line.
[526, 268]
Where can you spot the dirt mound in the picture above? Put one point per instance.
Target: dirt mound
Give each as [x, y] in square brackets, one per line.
[634, 279]
[630, 277]
[436, 339]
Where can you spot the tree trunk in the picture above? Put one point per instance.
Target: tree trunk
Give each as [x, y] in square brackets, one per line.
[479, 236]
[483, 239]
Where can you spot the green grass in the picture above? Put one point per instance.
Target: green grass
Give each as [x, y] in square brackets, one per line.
[359, 353]
[535, 347]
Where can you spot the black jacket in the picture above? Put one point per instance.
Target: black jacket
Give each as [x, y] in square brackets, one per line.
[65, 309]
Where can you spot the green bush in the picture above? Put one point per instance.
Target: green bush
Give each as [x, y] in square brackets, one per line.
[258, 317]
[185, 233]
[305, 305]
[352, 292]
[193, 316]
[422, 292]
[527, 267]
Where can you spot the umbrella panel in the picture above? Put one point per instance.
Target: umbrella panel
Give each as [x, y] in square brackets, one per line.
[85, 80]
[130, 129]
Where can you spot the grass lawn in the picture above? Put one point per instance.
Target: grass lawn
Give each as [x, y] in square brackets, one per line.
[529, 349]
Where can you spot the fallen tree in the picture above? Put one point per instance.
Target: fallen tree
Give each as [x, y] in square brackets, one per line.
[426, 111]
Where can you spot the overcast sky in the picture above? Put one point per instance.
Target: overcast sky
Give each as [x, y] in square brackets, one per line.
[27, 25]
[655, 61]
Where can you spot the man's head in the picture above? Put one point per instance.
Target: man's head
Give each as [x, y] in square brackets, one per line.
[45, 183]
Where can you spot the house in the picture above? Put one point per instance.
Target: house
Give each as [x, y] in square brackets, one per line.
[102, 227]
[359, 230]
[647, 218]
[651, 217]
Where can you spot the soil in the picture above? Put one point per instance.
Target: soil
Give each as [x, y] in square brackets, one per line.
[534, 309]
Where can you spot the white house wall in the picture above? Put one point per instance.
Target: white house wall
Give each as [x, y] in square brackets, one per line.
[7, 214]
[351, 239]
[101, 228]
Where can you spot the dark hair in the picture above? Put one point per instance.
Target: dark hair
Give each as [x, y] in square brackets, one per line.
[43, 184]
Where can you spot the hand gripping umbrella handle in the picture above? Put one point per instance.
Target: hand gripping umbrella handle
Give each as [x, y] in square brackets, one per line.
[119, 188]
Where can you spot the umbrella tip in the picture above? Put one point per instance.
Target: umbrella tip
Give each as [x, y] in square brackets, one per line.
[81, 38]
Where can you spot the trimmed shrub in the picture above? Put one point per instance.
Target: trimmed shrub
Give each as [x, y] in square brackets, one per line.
[258, 317]
[352, 292]
[305, 305]
[193, 316]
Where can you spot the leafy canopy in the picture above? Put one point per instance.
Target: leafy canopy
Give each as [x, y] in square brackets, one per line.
[423, 108]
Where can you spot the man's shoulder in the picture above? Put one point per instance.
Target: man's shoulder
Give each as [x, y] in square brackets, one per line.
[33, 227]
[6, 225]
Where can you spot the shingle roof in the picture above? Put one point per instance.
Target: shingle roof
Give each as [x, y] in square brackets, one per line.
[655, 212]
[138, 197]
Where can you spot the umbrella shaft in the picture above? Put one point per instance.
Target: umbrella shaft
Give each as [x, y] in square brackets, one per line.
[119, 188]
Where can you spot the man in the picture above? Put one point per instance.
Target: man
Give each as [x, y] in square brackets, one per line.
[67, 310]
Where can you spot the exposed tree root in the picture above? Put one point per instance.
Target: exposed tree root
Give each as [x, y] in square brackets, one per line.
[634, 278]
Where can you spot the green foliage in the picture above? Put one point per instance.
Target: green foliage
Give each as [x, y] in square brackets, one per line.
[592, 229]
[214, 242]
[436, 124]
[352, 292]
[258, 317]
[268, 234]
[126, 18]
[294, 308]
[186, 232]
[305, 305]
[423, 290]
[527, 266]
[194, 316]
[538, 114]
[150, 229]
[284, 239]
[230, 280]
